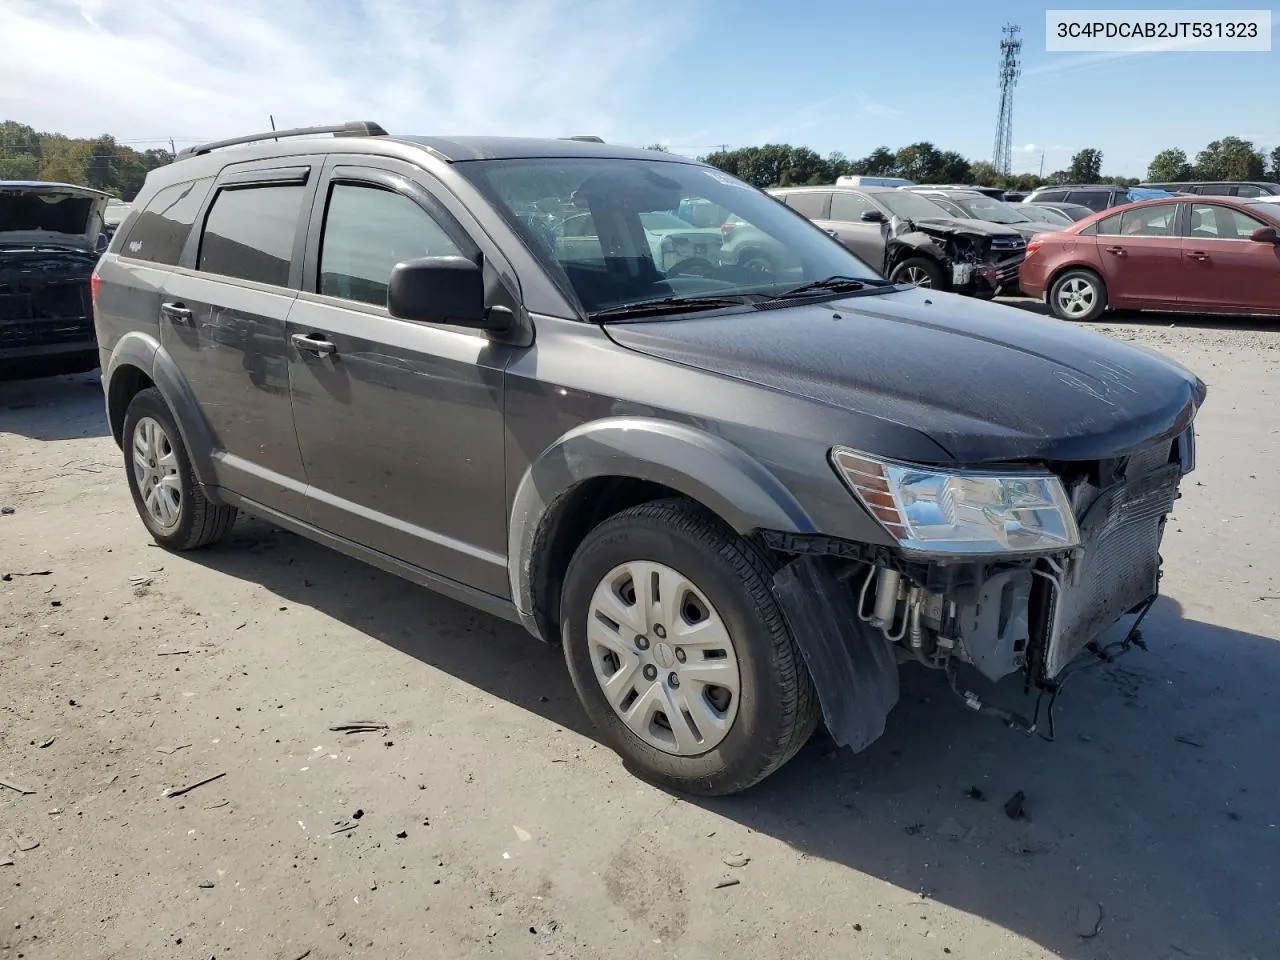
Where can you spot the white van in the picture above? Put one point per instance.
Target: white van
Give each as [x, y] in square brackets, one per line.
[859, 181]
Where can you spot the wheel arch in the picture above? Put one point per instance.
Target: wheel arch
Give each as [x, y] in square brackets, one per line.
[602, 468]
[138, 361]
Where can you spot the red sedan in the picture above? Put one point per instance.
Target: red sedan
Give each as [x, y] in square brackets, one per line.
[1187, 254]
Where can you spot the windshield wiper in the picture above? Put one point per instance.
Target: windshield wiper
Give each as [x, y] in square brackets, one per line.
[830, 285]
[650, 308]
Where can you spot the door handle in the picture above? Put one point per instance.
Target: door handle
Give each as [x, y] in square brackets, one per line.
[1198, 255]
[832, 233]
[175, 312]
[312, 343]
[1118, 251]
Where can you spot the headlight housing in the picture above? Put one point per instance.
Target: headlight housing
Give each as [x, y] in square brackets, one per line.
[961, 513]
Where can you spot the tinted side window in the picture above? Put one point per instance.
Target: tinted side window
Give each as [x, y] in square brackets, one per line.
[1217, 190]
[1248, 190]
[161, 230]
[1109, 227]
[1051, 196]
[367, 231]
[811, 205]
[1211, 222]
[849, 206]
[1148, 221]
[1093, 199]
[250, 231]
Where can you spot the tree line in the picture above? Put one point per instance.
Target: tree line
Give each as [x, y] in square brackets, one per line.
[116, 168]
[780, 164]
[100, 162]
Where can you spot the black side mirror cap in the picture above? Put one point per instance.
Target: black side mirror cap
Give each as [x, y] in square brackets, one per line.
[872, 216]
[1265, 235]
[447, 290]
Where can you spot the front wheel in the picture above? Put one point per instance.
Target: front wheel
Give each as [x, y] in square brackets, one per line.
[679, 652]
[920, 271]
[1078, 295]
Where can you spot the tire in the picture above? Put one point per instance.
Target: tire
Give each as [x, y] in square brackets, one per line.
[1082, 284]
[757, 260]
[179, 516]
[739, 736]
[927, 271]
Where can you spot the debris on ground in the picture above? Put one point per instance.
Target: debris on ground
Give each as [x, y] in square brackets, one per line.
[171, 653]
[6, 861]
[359, 726]
[169, 792]
[974, 793]
[523, 835]
[1088, 919]
[17, 788]
[358, 814]
[26, 843]
[47, 743]
[1014, 807]
[728, 882]
[205, 884]
[7, 511]
[952, 829]
[1189, 741]
[736, 860]
[29, 573]
[181, 746]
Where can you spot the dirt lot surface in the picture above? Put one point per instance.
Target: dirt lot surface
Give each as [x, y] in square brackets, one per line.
[486, 821]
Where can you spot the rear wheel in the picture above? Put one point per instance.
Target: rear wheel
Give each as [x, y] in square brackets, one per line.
[165, 492]
[679, 652]
[1078, 295]
[920, 271]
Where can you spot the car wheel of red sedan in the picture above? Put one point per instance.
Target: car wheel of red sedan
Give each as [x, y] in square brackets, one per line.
[1078, 295]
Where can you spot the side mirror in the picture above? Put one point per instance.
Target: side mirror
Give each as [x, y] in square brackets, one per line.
[441, 290]
[872, 216]
[1265, 235]
[103, 242]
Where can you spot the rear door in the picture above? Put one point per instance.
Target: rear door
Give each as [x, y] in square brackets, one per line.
[222, 320]
[1222, 269]
[866, 240]
[1140, 251]
[400, 424]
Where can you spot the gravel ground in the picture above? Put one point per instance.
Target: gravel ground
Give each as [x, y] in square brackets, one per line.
[486, 821]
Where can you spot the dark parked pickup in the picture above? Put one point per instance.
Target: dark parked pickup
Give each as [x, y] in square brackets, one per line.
[738, 499]
[49, 242]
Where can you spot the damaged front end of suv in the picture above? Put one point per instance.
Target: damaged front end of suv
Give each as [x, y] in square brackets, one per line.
[977, 258]
[1015, 570]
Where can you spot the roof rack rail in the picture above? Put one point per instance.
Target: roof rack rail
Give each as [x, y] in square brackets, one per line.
[356, 128]
[584, 139]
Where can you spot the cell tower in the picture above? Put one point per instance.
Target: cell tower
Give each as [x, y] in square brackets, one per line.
[1010, 67]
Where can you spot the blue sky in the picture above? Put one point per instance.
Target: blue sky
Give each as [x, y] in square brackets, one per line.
[693, 74]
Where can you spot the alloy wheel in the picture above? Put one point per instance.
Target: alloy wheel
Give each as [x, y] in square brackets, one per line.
[917, 275]
[1077, 296]
[663, 658]
[155, 469]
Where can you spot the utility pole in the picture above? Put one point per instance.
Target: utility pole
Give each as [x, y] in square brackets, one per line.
[1010, 68]
[173, 151]
[272, 118]
[1041, 164]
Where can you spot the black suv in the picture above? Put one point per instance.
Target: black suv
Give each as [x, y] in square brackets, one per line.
[738, 499]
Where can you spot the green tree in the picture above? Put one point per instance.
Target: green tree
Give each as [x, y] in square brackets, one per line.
[1230, 159]
[1086, 166]
[920, 162]
[63, 160]
[19, 152]
[1275, 164]
[880, 162]
[983, 174]
[952, 168]
[658, 147]
[1169, 166]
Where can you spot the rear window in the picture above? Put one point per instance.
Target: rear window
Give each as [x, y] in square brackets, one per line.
[250, 231]
[1093, 199]
[162, 228]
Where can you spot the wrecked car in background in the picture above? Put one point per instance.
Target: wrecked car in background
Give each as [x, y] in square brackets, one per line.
[50, 238]
[910, 238]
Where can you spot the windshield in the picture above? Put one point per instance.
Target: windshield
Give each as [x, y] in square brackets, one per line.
[910, 206]
[1049, 215]
[608, 231]
[990, 210]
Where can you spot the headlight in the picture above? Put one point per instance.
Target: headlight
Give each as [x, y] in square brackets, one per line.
[961, 513]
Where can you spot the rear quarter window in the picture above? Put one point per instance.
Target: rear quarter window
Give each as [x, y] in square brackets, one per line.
[160, 231]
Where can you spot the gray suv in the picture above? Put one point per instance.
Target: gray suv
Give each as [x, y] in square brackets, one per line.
[738, 500]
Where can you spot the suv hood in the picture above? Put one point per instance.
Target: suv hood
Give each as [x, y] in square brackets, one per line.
[960, 226]
[38, 214]
[987, 382]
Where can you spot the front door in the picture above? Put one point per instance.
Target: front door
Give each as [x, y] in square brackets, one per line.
[1222, 269]
[222, 320]
[400, 424]
[1140, 252]
[866, 240]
